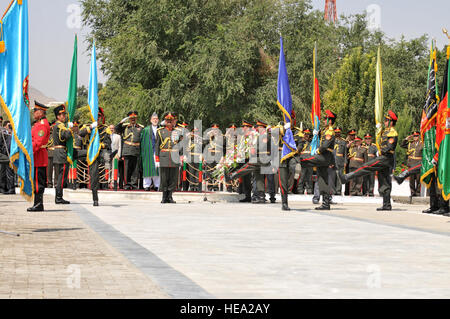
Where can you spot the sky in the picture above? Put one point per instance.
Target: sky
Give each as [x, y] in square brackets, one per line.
[53, 24]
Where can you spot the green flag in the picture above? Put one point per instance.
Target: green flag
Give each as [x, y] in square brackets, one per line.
[72, 99]
[443, 169]
[428, 123]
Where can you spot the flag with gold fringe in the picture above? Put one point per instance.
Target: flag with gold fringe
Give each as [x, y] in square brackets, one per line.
[14, 78]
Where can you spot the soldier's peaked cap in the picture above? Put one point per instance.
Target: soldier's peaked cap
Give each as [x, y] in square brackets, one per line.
[132, 114]
[59, 109]
[330, 114]
[169, 115]
[40, 106]
[261, 123]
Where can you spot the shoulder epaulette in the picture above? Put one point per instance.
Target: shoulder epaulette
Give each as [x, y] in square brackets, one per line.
[392, 133]
[61, 126]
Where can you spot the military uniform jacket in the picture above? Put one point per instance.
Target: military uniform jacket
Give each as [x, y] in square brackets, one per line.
[414, 152]
[103, 132]
[60, 136]
[194, 155]
[213, 146]
[371, 151]
[358, 156]
[388, 143]
[340, 152]
[167, 150]
[327, 142]
[131, 138]
[50, 145]
[40, 134]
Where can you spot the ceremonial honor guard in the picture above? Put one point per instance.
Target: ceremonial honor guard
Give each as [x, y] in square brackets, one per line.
[340, 157]
[60, 136]
[357, 156]
[194, 161]
[104, 155]
[369, 179]
[131, 148]
[383, 163]
[229, 149]
[40, 134]
[246, 178]
[50, 149]
[262, 153]
[168, 157]
[414, 146]
[305, 181]
[323, 160]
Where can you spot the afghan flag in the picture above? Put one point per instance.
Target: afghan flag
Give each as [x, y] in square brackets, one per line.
[315, 109]
[379, 101]
[428, 122]
[72, 101]
[443, 135]
[284, 102]
[14, 91]
[94, 142]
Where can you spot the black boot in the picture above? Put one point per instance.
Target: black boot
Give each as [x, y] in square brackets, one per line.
[164, 197]
[95, 197]
[430, 210]
[60, 200]
[246, 200]
[170, 199]
[386, 203]
[38, 204]
[402, 176]
[441, 211]
[284, 202]
[326, 199]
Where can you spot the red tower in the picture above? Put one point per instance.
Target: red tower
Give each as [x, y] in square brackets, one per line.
[330, 11]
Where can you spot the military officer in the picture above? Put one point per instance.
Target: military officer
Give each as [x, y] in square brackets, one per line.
[194, 161]
[357, 158]
[104, 154]
[61, 135]
[323, 159]
[340, 157]
[369, 179]
[414, 146]
[383, 163]
[40, 134]
[50, 149]
[131, 149]
[262, 153]
[229, 149]
[214, 152]
[167, 154]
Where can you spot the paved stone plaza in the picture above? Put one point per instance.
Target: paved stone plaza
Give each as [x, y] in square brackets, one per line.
[142, 249]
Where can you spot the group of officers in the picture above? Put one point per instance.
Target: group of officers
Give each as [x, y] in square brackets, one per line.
[166, 166]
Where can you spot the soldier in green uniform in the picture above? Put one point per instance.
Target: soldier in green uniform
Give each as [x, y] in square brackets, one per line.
[414, 146]
[167, 154]
[60, 136]
[340, 157]
[357, 156]
[323, 160]
[50, 149]
[383, 163]
[369, 179]
[104, 156]
[131, 148]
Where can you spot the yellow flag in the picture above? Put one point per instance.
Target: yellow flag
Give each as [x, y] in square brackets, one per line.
[379, 101]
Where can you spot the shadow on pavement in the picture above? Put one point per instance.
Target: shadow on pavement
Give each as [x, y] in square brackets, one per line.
[50, 230]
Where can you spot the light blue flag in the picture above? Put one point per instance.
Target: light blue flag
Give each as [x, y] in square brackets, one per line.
[94, 142]
[284, 102]
[14, 91]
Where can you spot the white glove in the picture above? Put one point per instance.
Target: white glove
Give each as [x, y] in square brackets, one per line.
[156, 164]
[93, 125]
[287, 125]
[124, 119]
[70, 124]
[378, 154]
[315, 132]
[378, 126]
[434, 162]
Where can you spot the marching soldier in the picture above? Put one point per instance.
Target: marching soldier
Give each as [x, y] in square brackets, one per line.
[383, 163]
[39, 136]
[369, 179]
[305, 182]
[340, 157]
[323, 160]
[131, 149]
[168, 157]
[104, 156]
[60, 136]
[414, 146]
[357, 156]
